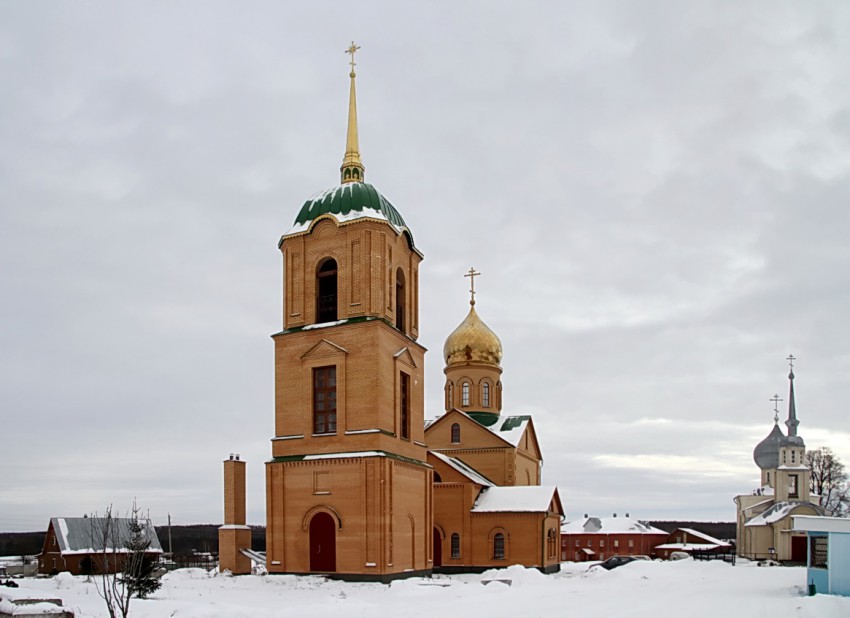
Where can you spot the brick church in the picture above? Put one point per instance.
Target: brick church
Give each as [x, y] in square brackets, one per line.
[359, 486]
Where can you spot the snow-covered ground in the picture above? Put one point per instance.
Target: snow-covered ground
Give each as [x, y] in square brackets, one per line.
[639, 589]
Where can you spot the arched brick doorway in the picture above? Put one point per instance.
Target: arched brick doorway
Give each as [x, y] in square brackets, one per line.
[438, 548]
[322, 543]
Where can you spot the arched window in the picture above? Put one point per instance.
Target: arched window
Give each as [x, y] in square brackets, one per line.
[437, 477]
[485, 395]
[455, 433]
[326, 291]
[399, 299]
[455, 545]
[464, 394]
[499, 546]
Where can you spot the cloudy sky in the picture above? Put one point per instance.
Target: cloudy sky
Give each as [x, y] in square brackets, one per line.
[655, 192]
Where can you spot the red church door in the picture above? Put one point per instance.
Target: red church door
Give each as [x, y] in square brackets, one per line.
[322, 543]
[798, 549]
[438, 549]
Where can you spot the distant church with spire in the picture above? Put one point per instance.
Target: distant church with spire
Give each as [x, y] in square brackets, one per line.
[764, 524]
[359, 486]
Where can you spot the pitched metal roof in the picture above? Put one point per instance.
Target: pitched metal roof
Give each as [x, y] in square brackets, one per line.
[86, 534]
[469, 472]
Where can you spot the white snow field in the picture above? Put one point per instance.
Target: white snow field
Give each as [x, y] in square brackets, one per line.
[640, 589]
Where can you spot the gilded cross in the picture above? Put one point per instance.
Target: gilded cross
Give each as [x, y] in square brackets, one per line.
[791, 360]
[352, 50]
[472, 274]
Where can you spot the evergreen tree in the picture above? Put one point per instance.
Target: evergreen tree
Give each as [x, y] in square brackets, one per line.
[138, 570]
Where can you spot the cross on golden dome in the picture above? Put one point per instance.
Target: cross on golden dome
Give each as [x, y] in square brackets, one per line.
[472, 274]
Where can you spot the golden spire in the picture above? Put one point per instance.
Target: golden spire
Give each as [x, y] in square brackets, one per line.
[352, 169]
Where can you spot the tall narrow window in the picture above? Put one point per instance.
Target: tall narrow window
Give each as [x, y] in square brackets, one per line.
[552, 543]
[326, 291]
[455, 545]
[499, 546]
[404, 404]
[792, 486]
[324, 400]
[455, 433]
[399, 300]
[485, 395]
[464, 394]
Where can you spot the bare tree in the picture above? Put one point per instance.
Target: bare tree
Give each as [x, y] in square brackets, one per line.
[829, 480]
[111, 587]
[121, 560]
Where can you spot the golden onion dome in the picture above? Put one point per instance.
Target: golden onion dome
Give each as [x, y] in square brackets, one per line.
[472, 342]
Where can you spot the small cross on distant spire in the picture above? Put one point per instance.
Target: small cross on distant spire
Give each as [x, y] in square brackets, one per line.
[776, 399]
[352, 50]
[472, 274]
[791, 360]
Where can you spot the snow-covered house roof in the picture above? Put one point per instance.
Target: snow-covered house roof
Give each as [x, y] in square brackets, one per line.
[85, 535]
[518, 499]
[779, 511]
[609, 525]
[704, 537]
[469, 472]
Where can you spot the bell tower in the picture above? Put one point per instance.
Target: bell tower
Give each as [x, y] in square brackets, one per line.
[347, 489]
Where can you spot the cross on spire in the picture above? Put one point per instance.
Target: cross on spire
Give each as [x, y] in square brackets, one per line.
[776, 399]
[472, 274]
[352, 49]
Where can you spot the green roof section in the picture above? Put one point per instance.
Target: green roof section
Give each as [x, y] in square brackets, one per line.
[485, 419]
[512, 422]
[347, 202]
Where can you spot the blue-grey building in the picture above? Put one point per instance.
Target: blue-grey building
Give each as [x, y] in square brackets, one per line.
[828, 562]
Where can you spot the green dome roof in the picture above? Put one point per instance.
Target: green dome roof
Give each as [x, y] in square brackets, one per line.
[347, 202]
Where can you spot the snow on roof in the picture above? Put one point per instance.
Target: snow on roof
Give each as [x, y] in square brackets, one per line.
[815, 523]
[704, 537]
[464, 469]
[778, 511]
[758, 504]
[691, 546]
[609, 525]
[525, 499]
[77, 535]
[511, 428]
[344, 455]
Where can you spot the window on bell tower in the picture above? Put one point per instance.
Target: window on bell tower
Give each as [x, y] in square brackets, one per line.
[404, 405]
[399, 300]
[326, 292]
[485, 395]
[324, 400]
[464, 394]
